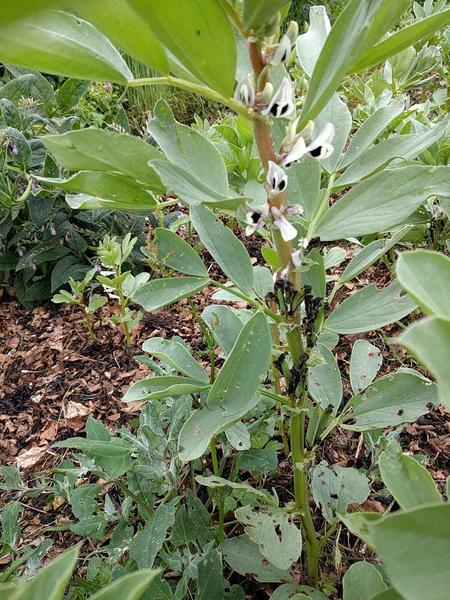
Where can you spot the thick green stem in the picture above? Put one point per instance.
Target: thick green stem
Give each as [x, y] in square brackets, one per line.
[302, 494]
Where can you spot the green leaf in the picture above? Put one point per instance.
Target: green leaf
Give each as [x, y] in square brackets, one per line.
[108, 187]
[382, 201]
[245, 367]
[358, 27]
[238, 436]
[292, 591]
[304, 187]
[370, 308]
[11, 529]
[166, 386]
[70, 93]
[113, 456]
[336, 488]
[117, 20]
[127, 587]
[410, 484]
[229, 252]
[359, 522]
[68, 266]
[244, 557]
[389, 594]
[429, 341]
[14, 11]
[177, 254]
[204, 424]
[225, 325]
[63, 44]
[83, 500]
[198, 34]
[365, 362]
[401, 40]
[276, 536]
[324, 381]
[101, 150]
[310, 44]
[190, 189]
[52, 579]
[8, 591]
[370, 254]
[259, 461]
[189, 150]
[392, 400]
[371, 129]
[237, 488]
[177, 356]
[362, 581]
[146, 544]
[211, 583]
[414, 547]
[162, 292]
[257, 12]
[425, 275]
[406, 147]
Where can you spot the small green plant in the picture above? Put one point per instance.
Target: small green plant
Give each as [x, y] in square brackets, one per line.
[77, 296]
[118, 283]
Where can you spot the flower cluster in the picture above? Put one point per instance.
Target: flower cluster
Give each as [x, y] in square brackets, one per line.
[280, 103]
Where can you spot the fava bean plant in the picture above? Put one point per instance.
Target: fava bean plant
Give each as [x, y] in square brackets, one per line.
[273, 360]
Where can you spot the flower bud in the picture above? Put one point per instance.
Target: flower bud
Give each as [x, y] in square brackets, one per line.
[245, 92]
[292, 32]
[265, 94]
[282, 52]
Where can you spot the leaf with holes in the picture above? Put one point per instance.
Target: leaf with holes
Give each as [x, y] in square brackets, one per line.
[365, 363]
[336, 488]
[278, 538]
[244, 557]
[392, 400]
[244, 368]
[324, 381]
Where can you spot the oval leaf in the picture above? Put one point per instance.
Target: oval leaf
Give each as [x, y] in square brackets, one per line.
[229, 252]
[198, 34]
[63, 44]
[177, 254]
[244, 368]
[162, 292]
